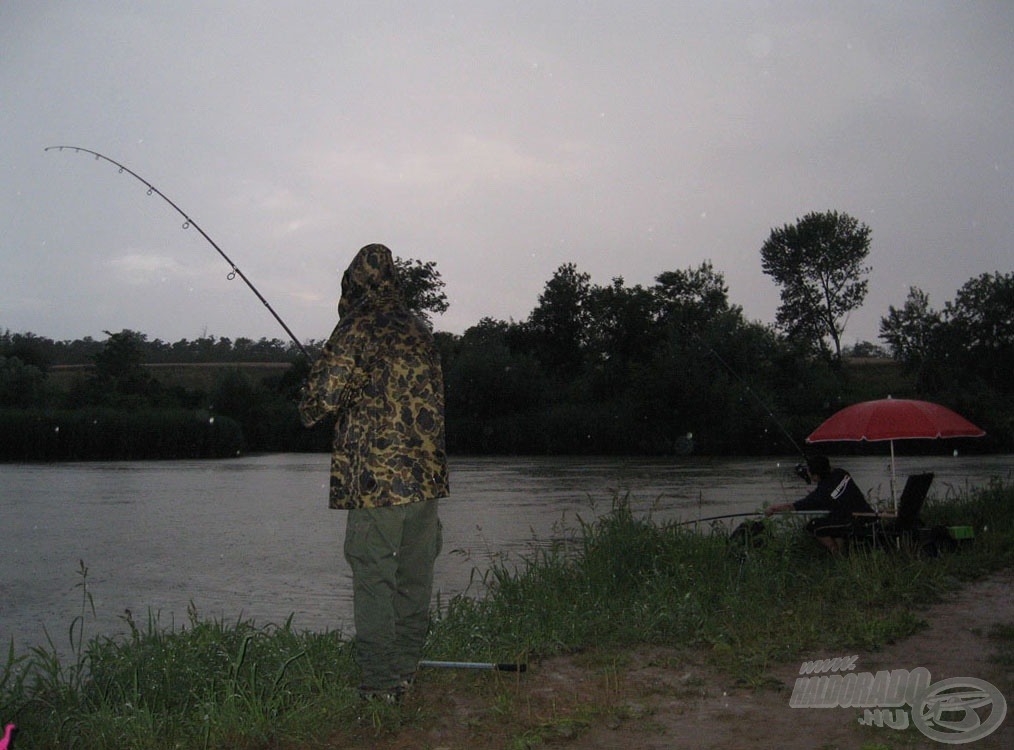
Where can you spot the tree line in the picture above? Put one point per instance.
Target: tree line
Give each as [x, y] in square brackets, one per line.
[668, 368]
[45, 353]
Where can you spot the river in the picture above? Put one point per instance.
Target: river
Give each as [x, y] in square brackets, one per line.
[252, 537]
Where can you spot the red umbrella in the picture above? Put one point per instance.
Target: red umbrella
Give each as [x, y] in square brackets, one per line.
[893, 419]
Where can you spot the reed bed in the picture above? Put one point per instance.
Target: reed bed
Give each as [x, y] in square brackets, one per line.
[618, 581]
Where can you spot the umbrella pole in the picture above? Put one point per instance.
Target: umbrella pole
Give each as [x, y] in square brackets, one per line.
[894, 497]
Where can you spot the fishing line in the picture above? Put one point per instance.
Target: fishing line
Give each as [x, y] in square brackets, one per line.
[187, 223]
[746, 385]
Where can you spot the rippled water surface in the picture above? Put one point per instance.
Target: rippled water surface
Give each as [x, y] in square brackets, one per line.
[253, 537]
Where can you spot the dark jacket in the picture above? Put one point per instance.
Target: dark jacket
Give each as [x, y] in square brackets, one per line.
[837, 494]
[380, 375]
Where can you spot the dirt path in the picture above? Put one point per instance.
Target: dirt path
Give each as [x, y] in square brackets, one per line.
[656, 699]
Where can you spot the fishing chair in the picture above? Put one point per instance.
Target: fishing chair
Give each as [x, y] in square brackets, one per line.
[904, 528]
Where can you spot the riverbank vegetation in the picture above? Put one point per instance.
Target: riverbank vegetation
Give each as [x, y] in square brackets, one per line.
[670, 368]
[615, 583]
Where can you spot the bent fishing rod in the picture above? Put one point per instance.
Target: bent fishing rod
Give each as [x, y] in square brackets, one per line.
[187, 223]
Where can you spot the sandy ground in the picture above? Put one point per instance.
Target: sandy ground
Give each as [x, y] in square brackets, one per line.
[656, 699]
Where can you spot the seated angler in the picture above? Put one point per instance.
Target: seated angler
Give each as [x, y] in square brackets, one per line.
[836, 493]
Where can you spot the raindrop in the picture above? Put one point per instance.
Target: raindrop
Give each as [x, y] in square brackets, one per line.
[211, 420]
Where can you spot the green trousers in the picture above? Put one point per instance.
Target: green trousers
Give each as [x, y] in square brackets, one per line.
[391, 552]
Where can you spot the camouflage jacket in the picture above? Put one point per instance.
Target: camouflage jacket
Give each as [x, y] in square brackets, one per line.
[380, 375]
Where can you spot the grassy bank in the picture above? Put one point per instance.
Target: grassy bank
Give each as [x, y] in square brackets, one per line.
[614, 583]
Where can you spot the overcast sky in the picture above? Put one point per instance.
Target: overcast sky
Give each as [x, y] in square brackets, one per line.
[499, 139]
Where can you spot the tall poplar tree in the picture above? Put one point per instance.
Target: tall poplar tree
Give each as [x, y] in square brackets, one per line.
[819, 264]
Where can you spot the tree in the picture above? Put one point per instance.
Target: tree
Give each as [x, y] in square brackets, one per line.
[819, 264]
[30, 349]
[422, 286]
[691, 296]
[560, 324]
[21, 385]
[867, 350]
[908, 331]
[977, 335]
[621, 321]
[983, 310]
[964, 353]
[119, 366]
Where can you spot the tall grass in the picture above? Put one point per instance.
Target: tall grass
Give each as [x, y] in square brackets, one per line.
[626, 580]
[210, 684]
[614, 582]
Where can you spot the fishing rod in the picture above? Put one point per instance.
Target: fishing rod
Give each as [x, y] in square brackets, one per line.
[744, 515]
[187, 223]
[717, 518]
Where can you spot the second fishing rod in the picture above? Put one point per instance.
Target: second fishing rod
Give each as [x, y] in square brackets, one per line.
[747, 387]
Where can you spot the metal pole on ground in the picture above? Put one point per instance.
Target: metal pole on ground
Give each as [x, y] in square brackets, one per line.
[506, 667]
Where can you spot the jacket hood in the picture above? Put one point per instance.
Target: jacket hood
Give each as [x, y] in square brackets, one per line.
[370, 276]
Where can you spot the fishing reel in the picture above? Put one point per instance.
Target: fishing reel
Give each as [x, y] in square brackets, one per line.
[803, 473]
